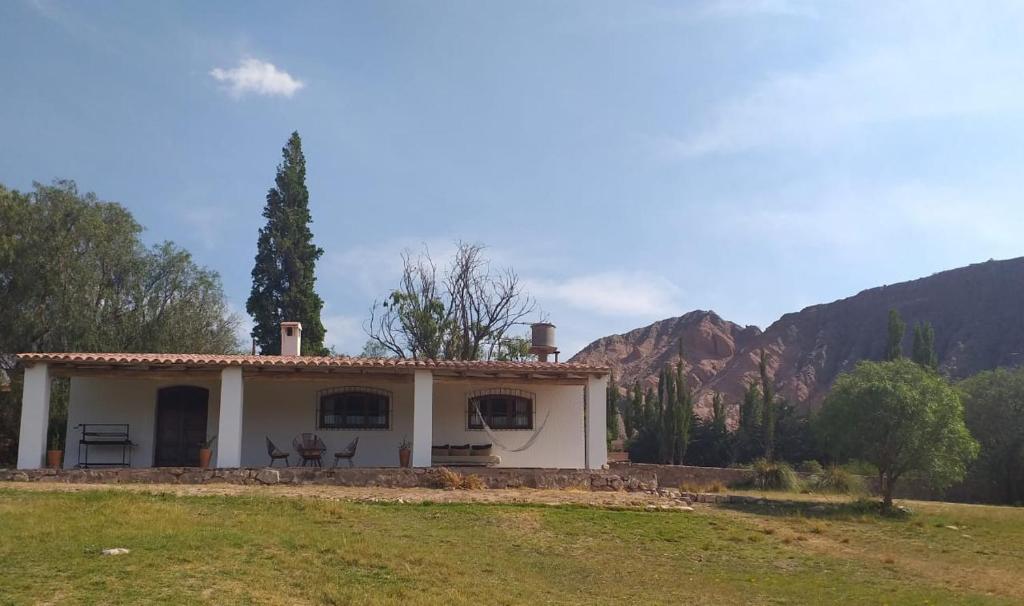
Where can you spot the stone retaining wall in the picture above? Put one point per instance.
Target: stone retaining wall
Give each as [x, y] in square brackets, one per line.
[389, 477]
[684, 475]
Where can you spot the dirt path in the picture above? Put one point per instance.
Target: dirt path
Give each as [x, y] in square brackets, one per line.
[372, 494]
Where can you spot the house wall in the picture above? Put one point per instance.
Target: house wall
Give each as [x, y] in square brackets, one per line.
[281, 409]
[560, 443]
[132, 401]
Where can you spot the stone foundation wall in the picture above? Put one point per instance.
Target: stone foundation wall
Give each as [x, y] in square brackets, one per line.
[389, 477]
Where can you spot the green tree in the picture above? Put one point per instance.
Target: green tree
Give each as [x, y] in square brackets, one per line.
[513, 349]
[635, 418]
[923, 351]
[894, 342]
[748, 433]
[712, 443]
[463, 314]
[994, 410]
[612, 411]
[284, 276]
[75, 276]
[900, 418]
[683, 420]
[768, 408]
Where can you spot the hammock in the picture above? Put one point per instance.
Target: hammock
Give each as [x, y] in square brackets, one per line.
[495, 439]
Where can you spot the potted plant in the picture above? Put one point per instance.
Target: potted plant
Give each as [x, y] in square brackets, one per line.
[404, 452]
[206, 451]
[55, 445]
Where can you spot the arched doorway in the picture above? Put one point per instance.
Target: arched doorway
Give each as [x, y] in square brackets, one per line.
[180, 425]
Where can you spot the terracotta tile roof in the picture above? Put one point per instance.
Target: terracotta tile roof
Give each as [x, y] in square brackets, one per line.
[246, 361]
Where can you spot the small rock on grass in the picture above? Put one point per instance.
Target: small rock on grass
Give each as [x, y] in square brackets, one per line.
[116, 551]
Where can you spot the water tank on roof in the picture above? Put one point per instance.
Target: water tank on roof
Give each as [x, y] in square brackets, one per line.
[543, 341]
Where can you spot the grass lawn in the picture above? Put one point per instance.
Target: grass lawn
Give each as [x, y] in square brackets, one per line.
[278, 550]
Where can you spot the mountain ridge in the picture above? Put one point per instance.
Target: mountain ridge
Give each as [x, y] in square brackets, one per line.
[977, 312]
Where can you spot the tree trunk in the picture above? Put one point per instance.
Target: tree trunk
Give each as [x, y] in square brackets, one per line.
[887, 490]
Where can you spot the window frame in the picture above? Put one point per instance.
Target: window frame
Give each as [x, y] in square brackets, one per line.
[324, 394]
[518, 394]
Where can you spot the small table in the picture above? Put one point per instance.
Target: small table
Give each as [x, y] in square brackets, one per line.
[310, 448]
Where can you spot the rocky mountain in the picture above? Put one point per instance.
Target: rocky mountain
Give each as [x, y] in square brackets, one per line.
[977, 312]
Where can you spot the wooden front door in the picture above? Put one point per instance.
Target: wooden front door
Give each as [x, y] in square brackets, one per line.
[180, 426]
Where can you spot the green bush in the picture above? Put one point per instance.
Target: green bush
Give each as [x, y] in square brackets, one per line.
[774, 475]
[860, 468]
[839, 481]
[812, 467]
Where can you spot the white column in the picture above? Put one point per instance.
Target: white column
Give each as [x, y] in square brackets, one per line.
[422, 417]
[229, 432]
[35, 417]
[595, 428]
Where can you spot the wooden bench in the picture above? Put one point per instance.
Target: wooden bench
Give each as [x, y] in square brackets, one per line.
[465, 461]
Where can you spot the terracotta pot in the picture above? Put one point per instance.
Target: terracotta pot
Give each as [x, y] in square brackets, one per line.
[204, 457]
[53, 458]
[404, 454]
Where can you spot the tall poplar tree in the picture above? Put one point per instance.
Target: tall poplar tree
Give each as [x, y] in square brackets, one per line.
[923, 351]
[894, 343]
[767, 408]
[612, 411]
[284, 275]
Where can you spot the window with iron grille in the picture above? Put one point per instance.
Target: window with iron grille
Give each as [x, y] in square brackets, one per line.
[501, 409]
[354, 408]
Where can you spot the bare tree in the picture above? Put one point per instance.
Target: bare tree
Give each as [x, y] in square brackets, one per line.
[463, 315]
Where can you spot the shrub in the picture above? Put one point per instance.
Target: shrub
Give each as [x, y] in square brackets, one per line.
[774, 475]
[840, 481]
[473, 482]
[713, 487]
[812, 467]
[448, 479]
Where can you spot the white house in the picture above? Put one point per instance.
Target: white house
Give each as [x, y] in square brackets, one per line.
[533, 414]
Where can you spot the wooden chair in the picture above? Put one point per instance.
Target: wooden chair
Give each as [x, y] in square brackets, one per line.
[311, 448]
[348, 454]
[276, 453]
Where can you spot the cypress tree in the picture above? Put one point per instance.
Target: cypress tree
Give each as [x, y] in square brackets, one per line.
[284, 274]
[894, 344]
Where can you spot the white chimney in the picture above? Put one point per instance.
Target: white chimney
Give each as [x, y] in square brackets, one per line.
[291, 338]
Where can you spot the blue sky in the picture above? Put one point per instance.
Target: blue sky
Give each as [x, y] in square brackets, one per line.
[632, 161]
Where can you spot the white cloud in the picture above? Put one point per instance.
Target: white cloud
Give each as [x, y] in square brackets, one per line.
[611, 293]
[258, 77]
[907, 63]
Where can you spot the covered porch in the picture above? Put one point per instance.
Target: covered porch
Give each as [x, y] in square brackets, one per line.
[170, 403]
